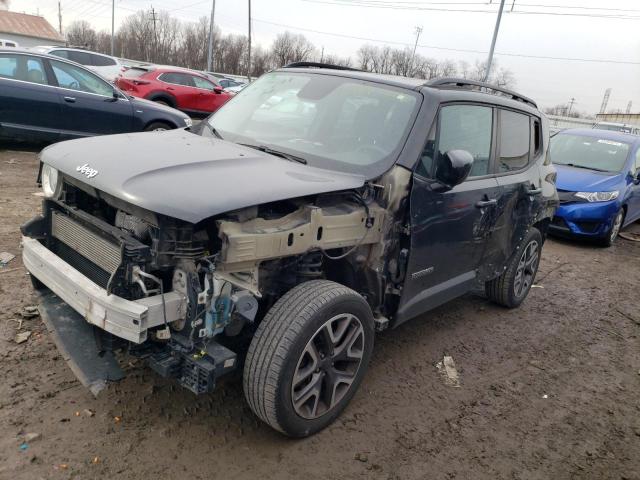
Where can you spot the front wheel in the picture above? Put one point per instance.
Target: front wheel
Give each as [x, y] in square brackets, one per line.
[157, 127]
[308, 357]
[511, 288]
[613, 232]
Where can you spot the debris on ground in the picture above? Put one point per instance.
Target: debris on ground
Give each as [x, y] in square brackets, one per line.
[633, 236]
[5, 258]
[38, 194]
[88, 412]
[536, 286]
[31, 437]
[22, 337]
[24, 446]
[117, 419]
[545, 396]
[30, 311]
[361, 457]
[448, 369]
[95, 460]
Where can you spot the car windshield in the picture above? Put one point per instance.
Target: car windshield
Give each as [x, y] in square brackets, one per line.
[588, 152]
[332, 122]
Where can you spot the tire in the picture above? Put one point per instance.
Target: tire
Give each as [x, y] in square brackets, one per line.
[511, 288]
[162, 101]
[294, 331]
[157, 127]
[612, 233]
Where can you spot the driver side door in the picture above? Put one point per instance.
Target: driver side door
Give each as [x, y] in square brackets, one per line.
[89, 106]
[450, 230]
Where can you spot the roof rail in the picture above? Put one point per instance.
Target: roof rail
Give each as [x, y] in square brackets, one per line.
[449, 82]
[319, 65]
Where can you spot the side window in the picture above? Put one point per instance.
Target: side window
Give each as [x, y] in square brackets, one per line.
[75, 78]
[82, 58]
[8, 66]
[22, 67]
[60, 53]
[637, 167]
[537, 137]
[176, 79]
[470, 128]
[515, 141]
[102, 61]
[202, 83]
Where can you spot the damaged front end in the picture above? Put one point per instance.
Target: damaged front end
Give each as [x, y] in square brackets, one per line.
[187, 297]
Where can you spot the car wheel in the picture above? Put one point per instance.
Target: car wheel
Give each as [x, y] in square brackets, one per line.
[613, 232]
[162, 102]
[512, 287]
[308, 357]
[157, 127]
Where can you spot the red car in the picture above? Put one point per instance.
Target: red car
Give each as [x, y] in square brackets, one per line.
[183, 89]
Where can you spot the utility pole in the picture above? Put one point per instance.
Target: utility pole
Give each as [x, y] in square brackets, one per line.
[629, 107]
[493, 42]
[322, 54]
[210, 51]
[249, 56]
[59, 18]
[113, 23]
[573, 100]
[155, 35]
[605, 100]
[418, 31]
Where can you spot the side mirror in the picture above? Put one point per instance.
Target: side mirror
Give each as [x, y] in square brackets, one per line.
[453, 168]
[218, 89]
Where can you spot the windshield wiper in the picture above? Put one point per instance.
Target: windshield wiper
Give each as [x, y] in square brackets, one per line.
[214, 131]
[277, 153]
[585, 167]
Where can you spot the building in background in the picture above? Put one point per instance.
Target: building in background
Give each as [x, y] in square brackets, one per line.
[27, 30]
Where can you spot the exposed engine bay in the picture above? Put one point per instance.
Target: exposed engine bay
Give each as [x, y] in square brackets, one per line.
[210, 283]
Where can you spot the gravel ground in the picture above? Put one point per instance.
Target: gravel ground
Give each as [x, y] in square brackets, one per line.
[548, 391]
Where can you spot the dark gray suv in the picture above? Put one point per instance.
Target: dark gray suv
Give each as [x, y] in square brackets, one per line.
[317, 207]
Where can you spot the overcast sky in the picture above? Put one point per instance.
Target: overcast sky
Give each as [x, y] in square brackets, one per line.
[330, 23]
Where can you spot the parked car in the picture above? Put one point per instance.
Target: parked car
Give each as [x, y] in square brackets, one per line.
[618, 127]
[296, 240]
[8, 43]
[226, 83]
[106, 66]
[598, 183]
[46, 99]
[183, 89]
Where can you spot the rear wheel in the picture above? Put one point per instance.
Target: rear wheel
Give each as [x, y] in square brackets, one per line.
[613, 232]
[162, 102]
[157, 127]
[308, 357]
[512, 287]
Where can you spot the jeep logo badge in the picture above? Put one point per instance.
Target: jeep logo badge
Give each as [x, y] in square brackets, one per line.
[87, 170]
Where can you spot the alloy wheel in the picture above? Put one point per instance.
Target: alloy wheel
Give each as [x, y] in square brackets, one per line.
[328, 366]
[527, 267]
[617, 225]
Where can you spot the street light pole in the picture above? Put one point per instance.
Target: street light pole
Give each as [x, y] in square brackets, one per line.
[113, 16]
[210, 53]
[493, 42]
[249, 56]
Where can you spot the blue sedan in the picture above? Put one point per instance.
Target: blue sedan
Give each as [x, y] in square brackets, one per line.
[598, 183]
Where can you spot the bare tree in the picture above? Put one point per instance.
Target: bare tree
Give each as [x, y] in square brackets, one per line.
[81, 34]
[288, 48]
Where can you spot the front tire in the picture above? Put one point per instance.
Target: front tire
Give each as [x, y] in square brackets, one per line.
[512, 287]
[158, 127]
[308, 357]
[613, 232]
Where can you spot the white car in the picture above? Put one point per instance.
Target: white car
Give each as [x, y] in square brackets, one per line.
[106, 66]
[8, 43]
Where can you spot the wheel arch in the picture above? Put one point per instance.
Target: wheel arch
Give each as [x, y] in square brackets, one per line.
[161, 95]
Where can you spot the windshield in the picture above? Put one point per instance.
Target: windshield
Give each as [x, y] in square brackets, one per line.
[588, 152]
[332, 122]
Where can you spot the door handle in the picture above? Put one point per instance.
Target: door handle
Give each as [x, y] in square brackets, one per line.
[486, 203]
[534, 191]
[70, 99]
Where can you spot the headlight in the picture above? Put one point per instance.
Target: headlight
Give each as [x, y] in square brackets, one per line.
[188, 122]
[598, 196]
[51, 184]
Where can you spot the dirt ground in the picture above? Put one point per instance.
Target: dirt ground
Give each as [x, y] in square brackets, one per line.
[548, 391]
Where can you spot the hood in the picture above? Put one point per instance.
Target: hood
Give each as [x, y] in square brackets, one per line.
[187, 176]
[582, 180]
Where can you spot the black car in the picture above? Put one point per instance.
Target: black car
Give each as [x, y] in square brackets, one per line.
[320, 206]
[45, 98]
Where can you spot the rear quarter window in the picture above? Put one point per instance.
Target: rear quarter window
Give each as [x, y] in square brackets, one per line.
[134, 73]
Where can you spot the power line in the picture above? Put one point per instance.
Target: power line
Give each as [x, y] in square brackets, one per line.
[435, 47]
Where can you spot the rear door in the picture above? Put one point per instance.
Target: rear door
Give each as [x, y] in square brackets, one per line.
[518, 149]
[183, 89]
[90, 107]
[450, 230]
[633, 207]
[29, 107]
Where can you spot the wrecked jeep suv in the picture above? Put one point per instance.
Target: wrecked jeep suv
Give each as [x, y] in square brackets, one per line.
[319, 206]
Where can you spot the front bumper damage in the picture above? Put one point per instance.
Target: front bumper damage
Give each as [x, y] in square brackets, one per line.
[75, 310]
